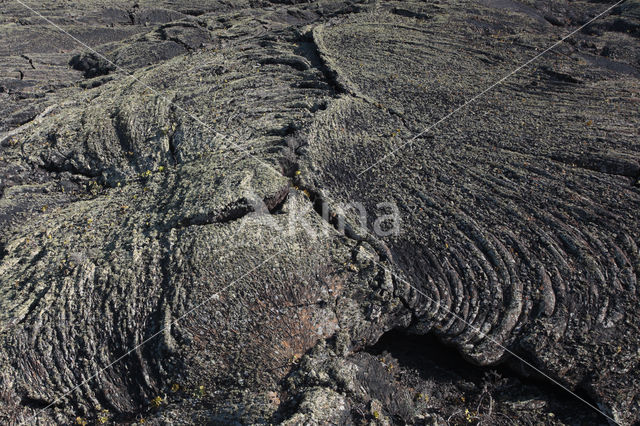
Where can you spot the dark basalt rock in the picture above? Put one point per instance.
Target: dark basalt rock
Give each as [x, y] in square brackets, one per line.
[91, 65]
[174, 241]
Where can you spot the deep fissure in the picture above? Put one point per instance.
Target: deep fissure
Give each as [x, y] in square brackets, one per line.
[433, 360]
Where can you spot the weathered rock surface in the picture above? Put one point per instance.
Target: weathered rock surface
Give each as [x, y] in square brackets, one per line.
[164, 254]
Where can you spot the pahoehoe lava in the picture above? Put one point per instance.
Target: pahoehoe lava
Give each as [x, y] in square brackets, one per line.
[181, 183]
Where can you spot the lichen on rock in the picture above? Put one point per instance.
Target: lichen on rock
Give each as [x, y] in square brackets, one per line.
[174, 246]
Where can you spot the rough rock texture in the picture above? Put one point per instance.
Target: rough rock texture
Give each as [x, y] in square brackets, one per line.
[173, 187]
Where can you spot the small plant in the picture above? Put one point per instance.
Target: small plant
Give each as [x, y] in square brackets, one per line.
[422, 396]
[199, 393]
[157, 401]
[470, 416]
[94, 188]
[103, 416]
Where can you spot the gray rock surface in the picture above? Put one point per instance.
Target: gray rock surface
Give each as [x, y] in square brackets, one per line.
[173, 246]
